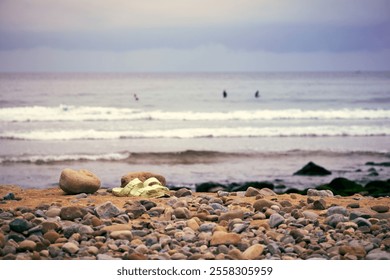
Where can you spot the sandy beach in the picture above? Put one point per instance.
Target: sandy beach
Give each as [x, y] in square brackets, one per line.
[252, 224]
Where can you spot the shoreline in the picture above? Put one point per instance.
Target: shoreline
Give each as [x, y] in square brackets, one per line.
[253, 224]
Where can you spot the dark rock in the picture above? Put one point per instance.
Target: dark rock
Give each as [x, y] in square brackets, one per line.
[20, 225]
[210, 187]
[386, 164]
[135, 209]
[378, 188]
[260, 204]
[148, 204]
[361, 222]
[234, 187]
[312, 169]
[9, 196]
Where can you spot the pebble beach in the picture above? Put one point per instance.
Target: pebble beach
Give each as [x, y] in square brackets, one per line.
[256, 224]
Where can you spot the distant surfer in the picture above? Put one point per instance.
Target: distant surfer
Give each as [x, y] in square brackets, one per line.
[257, 95]
[224, 94]
[136, 97]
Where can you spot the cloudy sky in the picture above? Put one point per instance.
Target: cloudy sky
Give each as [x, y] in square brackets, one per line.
[194, 35]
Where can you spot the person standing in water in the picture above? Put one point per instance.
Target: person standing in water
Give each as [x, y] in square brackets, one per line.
[224, 94]
[257, 94]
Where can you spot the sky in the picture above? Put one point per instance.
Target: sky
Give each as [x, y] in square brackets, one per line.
[194, 35]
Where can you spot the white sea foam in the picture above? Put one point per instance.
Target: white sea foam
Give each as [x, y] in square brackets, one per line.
[66, 157]
[86, 113]
[281, 131]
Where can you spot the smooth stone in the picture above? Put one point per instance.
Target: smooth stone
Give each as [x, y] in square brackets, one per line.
[52, 236]
[183, 192]
[361, 222]
[182, 213]
[267, 192]
[107, 210]
[380, 208]
[378, 254]
[105, 257]
[263, 203]
[275, 220]
[72, 212]
[117, 227]
[253, 252]
[322, 193]
[234, 214]
[251, 191]
[207, 227]
[20, 225]
[193, 224]
[2, 240]
[220, 238]
[357, 251]
[135, 208]
[141, 176]
[27, 245]
[9, 196]
[337, 210]
[122, 234]
[53, 212]
[81, 181]
[70, 248]
[334, 219]
[310, 215]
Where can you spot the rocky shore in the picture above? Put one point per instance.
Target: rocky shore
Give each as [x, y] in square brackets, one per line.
[256, 223]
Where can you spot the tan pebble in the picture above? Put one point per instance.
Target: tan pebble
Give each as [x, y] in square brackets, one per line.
[193, 224]
[220, 237]
[253, 252]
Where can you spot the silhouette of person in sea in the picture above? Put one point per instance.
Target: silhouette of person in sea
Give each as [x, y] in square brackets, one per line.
[136, 97]
[224, 94]
[257, 95]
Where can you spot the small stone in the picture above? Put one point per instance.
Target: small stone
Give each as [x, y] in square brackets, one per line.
[47, 226]
[2, 240]
[357, 251]
[220, 237]
[107, 210]
[182, 213]
[378, 254]
[117, 227]
[353, 205]
[251, 191]
[380, 208]
[9, 196]
[323, 193]
[234, 214]
[122, 234]
[334, 219]
[193, 224]
[263, 203]
[275, 220]
[135, 208]
[70, 248]
[337, 210]
[52, 236]
[361, 222]
[183, 192]
[27, 245]
[267, 192]
[72, 212]
[53, 212]
[81, 181]
[253, 252]
[319, 204]
[19, 225]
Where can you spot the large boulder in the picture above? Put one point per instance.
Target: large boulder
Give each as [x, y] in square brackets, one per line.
[312, 169]
[141, 176]
[79, 181]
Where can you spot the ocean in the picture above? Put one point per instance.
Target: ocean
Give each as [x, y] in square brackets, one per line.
[179, 125]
